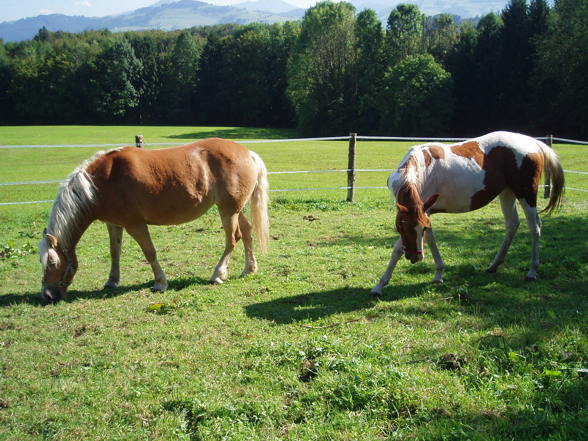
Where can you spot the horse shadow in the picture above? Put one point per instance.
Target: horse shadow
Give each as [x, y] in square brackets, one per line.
[74, 295]
[316, 305]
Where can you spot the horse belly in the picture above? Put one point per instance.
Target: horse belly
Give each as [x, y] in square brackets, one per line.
[456, 191]
[175, 209]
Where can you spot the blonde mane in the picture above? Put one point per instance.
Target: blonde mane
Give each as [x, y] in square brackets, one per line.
[71, 208]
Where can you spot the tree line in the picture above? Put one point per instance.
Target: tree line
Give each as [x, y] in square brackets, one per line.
[337, 70]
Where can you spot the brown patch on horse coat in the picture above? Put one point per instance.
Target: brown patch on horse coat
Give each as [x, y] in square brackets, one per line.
[501, 170]
[470, 150]
[437, 152]
[428, 158]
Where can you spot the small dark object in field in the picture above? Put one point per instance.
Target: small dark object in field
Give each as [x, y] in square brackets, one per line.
[451, 362]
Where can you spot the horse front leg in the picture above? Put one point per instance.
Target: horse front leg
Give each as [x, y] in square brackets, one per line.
[232, 236]
[141, 234]
[394, 258]
[115, 233]
[439, 264]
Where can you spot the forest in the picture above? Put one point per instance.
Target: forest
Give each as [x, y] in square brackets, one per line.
[336, 71]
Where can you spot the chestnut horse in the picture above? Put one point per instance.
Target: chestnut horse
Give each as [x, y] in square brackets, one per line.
[438, 178]
[132, 188]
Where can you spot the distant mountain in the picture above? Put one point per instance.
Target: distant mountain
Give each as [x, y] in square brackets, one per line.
[165, 15]
[273, 6]
[179, 14]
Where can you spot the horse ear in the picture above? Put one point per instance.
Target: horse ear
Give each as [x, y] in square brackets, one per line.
[51, 240]
[401, 208]
[53, 258]
[431, 201]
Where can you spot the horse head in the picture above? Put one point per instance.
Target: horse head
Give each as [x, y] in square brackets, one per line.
[412, 223]
[59, 268]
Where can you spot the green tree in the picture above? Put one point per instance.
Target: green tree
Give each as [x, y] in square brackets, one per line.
[418, 97]
[114, 85]
[560, 76]
[321, 69]
[442, 35]
[404, 33]
[182, 78]
[369, 40]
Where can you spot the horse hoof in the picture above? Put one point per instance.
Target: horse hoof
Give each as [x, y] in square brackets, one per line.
[530, 278]
[376, 294]
[111, 285]
[437, 280]
[491, 269]
[160, 287]
[217, 281]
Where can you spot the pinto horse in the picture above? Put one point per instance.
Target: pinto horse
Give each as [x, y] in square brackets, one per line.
[132, 188]
[438, 178]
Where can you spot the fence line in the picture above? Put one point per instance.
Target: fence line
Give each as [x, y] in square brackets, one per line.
[351, 170]
[364, 170]
[262, 141]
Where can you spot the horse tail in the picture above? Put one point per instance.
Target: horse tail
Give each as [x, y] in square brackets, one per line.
[555, 175]
[259, 204]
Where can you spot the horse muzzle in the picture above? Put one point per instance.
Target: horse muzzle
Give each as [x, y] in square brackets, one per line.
[51, 295]
[414, 257]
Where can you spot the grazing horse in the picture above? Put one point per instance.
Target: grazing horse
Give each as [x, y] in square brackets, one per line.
[131, 188]
[438, 178]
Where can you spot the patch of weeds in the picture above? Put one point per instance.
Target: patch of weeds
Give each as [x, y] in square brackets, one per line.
[11, 251]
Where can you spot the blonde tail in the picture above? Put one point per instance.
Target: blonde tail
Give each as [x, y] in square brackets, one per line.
[555, 172]
[259, 204]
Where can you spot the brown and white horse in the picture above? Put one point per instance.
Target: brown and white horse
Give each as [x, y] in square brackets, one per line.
[131, 188]
[438, 178]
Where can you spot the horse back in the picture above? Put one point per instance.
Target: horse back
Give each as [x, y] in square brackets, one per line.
[472, 173]
[173, 185]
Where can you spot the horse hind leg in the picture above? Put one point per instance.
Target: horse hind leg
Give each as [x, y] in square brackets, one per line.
[141, 234]
[511, 224]
[247, 233]
[534, 223]
[115, 233]
[232, 236]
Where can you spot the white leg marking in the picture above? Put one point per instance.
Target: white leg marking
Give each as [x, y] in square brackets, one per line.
[439, 264]
[396, 255]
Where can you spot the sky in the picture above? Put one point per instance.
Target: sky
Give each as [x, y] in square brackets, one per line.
[11, 10]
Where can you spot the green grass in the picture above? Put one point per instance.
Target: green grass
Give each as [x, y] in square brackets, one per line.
[299, 351]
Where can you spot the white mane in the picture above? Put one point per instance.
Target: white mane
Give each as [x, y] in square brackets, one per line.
[409, 173]
[71, 208]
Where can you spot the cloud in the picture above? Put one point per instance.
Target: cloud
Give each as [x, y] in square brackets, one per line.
[85, 3]
[45, 11]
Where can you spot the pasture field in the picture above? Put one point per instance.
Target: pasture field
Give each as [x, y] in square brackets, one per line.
[299, 351]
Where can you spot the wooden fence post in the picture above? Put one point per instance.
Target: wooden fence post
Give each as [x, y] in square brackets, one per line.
[139, 141]
[547, 187]
[351, 167]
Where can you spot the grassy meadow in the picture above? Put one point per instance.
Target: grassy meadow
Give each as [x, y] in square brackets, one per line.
[299, 351]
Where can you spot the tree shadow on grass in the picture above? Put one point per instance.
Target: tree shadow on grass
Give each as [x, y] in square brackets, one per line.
[176, 284]
[237, 133]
